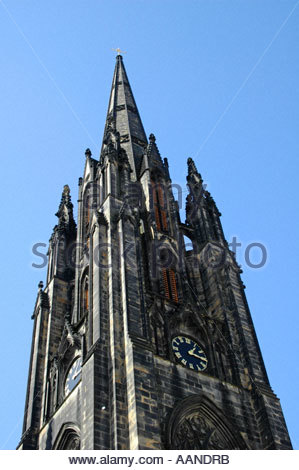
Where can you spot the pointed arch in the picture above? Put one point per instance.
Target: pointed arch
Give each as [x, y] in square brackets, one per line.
[197, 423]
[68, 437]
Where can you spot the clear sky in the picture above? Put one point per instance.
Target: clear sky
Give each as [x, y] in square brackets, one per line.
[215, 80]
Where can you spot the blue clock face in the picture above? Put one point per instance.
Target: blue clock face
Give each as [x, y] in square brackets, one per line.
[189, 353]
[73, 376]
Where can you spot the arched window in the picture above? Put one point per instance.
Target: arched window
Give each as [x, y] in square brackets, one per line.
[84, 295]
[103, 186]
[52, 254]
[87, 202]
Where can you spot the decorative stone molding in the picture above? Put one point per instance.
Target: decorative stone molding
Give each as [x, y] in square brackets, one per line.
[196, 424]
[68, 438]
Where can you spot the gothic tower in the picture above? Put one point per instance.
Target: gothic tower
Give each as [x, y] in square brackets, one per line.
[141, 341]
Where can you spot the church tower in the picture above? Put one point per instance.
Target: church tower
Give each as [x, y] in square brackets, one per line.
[140, 340]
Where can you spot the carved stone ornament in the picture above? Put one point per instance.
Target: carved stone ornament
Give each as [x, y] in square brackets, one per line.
[73, 443]
[197, 424]
[213, 256]
[128, 213]
[195, 432]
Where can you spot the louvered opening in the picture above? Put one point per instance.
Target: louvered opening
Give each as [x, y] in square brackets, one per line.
[164, 220]
[170, 284]
[165, 283]
[159, 208]
[173, 285]
[157, 218]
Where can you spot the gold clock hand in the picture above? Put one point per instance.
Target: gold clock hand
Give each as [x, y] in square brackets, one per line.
[192, 353]
[201, 358]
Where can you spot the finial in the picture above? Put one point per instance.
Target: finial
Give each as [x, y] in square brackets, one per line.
[40, 284]
[193, 176]
[152, 138]
[119, 51]
[66, 189]
[88, 153]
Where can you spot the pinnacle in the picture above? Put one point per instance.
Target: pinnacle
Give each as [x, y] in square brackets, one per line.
[65, 211]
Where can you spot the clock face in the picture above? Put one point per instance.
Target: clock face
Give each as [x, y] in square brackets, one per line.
[73, 376]
[189, 353]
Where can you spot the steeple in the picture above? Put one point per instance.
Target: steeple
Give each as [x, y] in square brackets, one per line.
[123, 117]
[140, 340]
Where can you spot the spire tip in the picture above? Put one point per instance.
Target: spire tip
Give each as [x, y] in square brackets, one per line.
[119, 51]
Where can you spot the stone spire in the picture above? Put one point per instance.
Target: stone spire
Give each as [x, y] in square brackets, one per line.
[123, 117]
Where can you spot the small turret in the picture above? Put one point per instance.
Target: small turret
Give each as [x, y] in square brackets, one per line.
[201, 211]
[63, 236]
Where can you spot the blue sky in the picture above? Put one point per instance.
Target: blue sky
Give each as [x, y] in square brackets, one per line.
[214, 80]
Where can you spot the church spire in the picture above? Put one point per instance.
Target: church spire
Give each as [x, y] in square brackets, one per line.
[123, 117]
